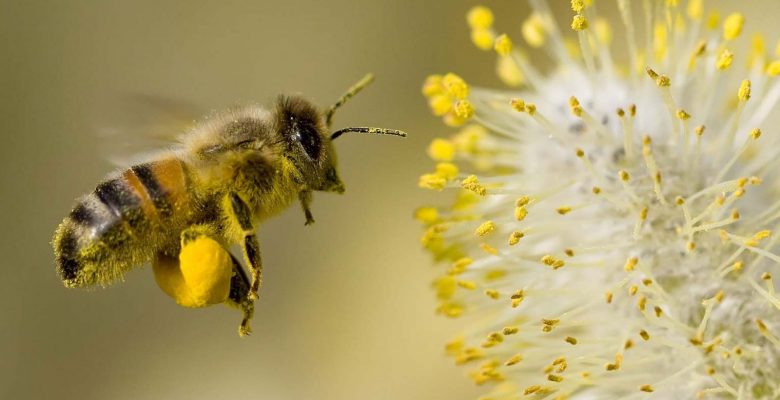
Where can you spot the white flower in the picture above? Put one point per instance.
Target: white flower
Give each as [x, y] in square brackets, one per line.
[611, 233]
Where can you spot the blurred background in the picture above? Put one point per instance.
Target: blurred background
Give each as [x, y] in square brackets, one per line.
[346, 311]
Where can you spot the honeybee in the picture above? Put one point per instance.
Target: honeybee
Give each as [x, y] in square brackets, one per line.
[183, 209]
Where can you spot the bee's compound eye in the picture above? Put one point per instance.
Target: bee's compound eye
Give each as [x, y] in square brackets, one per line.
[310, 140]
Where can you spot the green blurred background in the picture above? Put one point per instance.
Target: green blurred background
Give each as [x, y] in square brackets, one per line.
[345, 311]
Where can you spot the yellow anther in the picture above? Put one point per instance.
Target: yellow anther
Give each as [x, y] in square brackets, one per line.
[732, 26]
[713, 19]
[719, 296]
[735, 215]
[432, 181]
[645, 336]
[630, 264]
[485, 228]
[510, 330]
[633, 289]
[530, 108]
[531, 389]
[515, 237]
[518, 105]
[468, 285]
[549, 324]
[508, 71]
[754, 180]
[603, 31]
[455, 86]
[761, 235]
[643, 213]
[679, 200]
[690, 246]
[641, 303]
[695, 9]
[595, 190]
[464, 109]
[580, 153]
[683, 115]
[480, 17]
[432, 86]
[632, 110]
[426, 215]
[628, 344]
[755, 133]
[520, 213]
[646, 388]
[624, 175]
[447, 170]
[482, 38]
[620, 112]
[563, 210]
[725, 58]
[744, 90]
[488, 249]
[577, 6]
[440, 104]
[471, 183]
[737, 266]
[773, 69]
[658, 311]
[699, 130]
[663, 81]
[513, 360]
[493, 294]
[570, 340]
[503, 45]
[569, 252]
[660, 40]
[554, 378]
[608, 297]
[766, 276]
[459, 266]
[533, 31]
[522, 201]
[579, 23]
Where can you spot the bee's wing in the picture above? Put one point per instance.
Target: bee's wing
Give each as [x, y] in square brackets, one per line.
[139, 126]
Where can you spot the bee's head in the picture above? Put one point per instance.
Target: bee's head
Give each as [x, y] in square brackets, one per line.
[305, 131]
[305, 134]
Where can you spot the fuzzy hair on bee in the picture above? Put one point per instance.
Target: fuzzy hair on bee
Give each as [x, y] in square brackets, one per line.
[183, 209]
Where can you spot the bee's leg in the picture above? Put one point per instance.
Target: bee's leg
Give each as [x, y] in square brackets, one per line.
[238, 297]
[240, 211]
[305, 197]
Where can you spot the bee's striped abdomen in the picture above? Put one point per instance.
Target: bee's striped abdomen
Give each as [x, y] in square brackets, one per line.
[122, 223]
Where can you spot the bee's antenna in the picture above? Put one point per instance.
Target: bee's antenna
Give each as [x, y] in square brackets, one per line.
[352, 91]
[375, 131]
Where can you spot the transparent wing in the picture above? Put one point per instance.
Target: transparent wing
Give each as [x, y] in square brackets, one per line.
[140, 125]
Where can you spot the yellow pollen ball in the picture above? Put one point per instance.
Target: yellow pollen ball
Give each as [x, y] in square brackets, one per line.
[200, 278]
[480, 17]
[533, 31]
[482, 38]
[732, 26]
[713, 19]
[579, 23]
[441, 150]
[503, 45]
